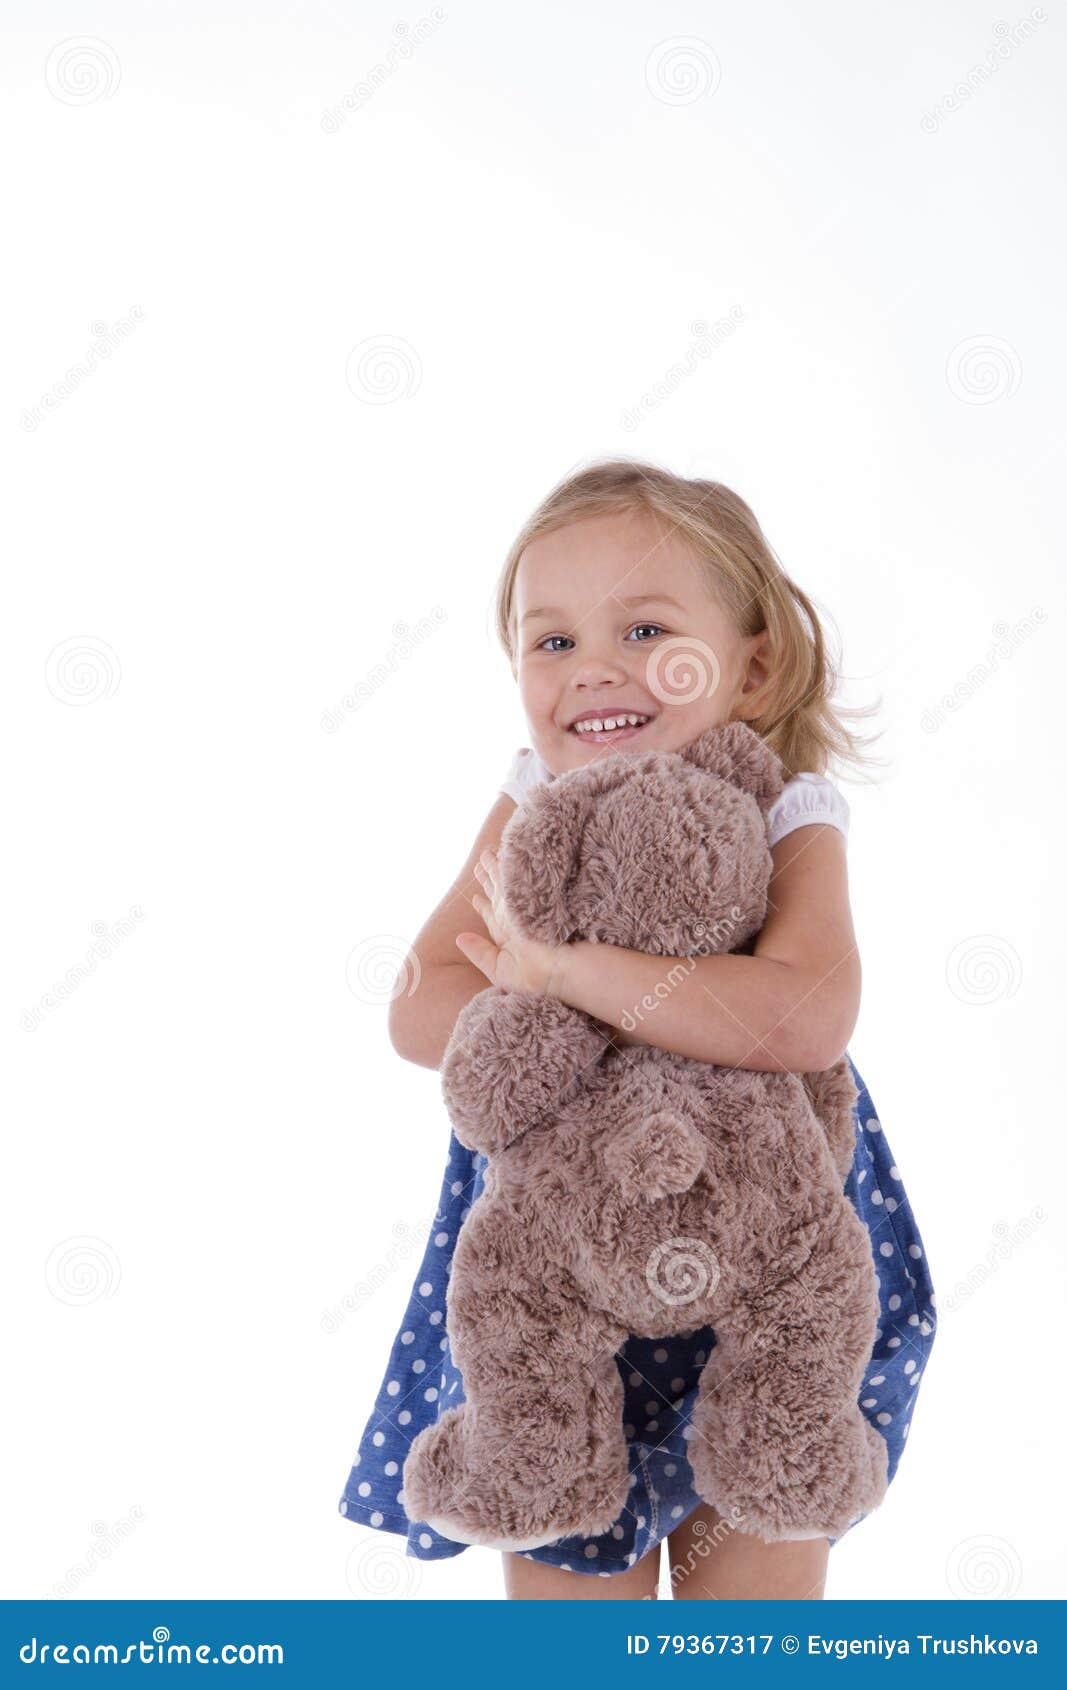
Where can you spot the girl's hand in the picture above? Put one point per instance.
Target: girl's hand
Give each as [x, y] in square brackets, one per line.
[512, 961]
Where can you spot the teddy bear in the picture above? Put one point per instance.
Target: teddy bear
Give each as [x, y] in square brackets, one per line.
[632, 1190]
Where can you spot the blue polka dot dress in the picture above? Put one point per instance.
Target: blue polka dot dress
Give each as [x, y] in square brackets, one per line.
[660, 1376]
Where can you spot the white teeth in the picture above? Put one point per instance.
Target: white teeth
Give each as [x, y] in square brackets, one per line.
[596, 726]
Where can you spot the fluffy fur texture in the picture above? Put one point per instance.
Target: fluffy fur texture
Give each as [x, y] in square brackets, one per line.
[632, 1190]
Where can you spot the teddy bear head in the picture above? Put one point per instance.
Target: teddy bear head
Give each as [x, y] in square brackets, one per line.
[661, 852]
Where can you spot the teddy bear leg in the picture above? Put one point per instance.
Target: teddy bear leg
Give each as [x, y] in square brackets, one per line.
[780, 1444]
[537, 1452]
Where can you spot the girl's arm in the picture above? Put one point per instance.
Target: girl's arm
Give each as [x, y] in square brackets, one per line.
[790, 1007]
[421, 1020]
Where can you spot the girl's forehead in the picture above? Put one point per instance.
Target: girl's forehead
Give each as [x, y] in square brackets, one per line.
[580, 564]
[608, 534]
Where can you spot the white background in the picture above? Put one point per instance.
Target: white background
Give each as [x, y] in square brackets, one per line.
[211, 1143]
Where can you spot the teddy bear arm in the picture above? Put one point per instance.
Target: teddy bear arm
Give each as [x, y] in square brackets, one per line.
[514, 1058]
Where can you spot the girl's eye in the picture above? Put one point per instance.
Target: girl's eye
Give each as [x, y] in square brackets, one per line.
[655, 627]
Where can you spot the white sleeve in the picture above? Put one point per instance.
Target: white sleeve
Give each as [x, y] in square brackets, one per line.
[804, 799]
[526, 772]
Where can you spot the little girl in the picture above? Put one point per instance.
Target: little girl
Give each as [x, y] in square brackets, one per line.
[638, 609]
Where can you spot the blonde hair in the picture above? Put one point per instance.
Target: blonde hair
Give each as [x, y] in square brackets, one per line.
[794, 711]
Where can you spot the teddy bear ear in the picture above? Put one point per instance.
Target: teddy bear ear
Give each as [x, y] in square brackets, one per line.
[738, 754]
[539, 853]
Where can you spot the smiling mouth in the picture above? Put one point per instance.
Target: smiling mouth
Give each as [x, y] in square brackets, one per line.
[610, 730]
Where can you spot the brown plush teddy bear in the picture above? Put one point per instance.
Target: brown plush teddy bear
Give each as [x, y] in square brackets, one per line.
[633, 1190]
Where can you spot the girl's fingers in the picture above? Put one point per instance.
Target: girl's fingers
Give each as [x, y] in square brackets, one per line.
[485, 910]
[487, 865]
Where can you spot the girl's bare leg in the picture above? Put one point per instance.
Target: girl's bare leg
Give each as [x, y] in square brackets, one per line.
[536, 1581]
[710, 1560]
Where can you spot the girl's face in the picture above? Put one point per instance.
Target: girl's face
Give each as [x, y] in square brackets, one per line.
[613, 619]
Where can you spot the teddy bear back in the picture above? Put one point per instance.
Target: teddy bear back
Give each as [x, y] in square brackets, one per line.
[662, 852]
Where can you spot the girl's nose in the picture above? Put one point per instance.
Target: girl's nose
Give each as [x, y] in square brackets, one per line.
[595, 668]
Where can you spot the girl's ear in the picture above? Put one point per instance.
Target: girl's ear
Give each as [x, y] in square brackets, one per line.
[738, 754]
[757, 671]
